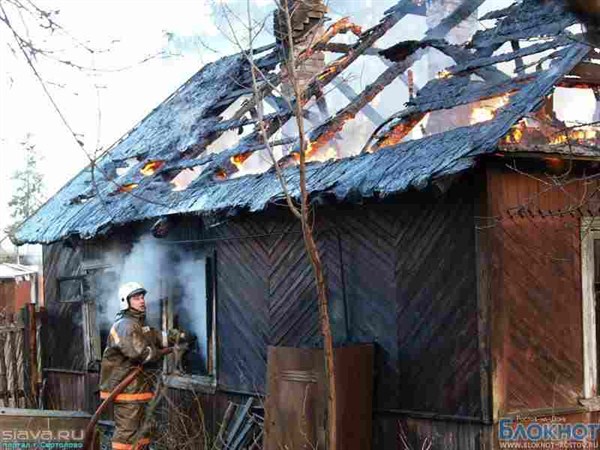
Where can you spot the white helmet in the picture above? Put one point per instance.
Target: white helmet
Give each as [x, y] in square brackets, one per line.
[127, 290]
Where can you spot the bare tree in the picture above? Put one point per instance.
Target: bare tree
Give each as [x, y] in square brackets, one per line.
[292, 88]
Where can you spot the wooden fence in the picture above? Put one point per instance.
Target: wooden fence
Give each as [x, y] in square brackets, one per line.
[19, 359]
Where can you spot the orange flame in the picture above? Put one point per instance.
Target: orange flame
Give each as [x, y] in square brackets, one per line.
[487, 109]
[128, 187]
[399, 132]
[332, 68]
[330, 153]
[239, 160]
[220, 174]
[576, 135]
[312, 153]
[341, 26]
[559, 139]
[515, 135]
[151, 167]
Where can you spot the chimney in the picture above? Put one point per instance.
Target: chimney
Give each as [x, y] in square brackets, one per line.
[307, 27]
[437, 10]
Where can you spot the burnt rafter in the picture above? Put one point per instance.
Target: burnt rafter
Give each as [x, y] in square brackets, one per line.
[435, 95]
[479, 63]
[405, 53]
[327, 131]
[525, 21]
[367, 39]
[461, 55]
[314, 88]
[399, 52]
[351, 94]
[175, 135]
[269, 82]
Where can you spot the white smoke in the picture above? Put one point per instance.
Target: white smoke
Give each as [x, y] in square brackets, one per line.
[145, 264]
[192, 307]
[165, 270]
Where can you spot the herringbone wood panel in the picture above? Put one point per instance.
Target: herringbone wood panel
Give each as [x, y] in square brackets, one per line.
[242, 311]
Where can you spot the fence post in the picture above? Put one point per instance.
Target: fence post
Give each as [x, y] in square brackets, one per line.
[19, 349]
[3, 375]
[30, 354]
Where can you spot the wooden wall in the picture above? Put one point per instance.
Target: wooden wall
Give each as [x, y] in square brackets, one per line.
[63, 333]
[401, 274]
[532, 240]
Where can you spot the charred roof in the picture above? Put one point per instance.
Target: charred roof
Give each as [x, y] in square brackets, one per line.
[208, 129]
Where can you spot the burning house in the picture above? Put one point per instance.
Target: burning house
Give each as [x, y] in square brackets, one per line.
[456, 217]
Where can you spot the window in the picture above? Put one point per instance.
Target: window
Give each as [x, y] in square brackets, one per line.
[590, 275]
[180, 279]
[101, 281]
[76, 291]
[190, 306]
[70, 289]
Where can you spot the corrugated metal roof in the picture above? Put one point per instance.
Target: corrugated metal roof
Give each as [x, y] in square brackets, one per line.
[178, 130]
[13, 271]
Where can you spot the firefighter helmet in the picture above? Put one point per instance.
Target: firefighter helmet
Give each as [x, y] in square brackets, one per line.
[127, 290]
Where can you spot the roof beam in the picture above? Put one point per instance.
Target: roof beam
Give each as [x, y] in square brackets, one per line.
[351, 94]
[464, 10]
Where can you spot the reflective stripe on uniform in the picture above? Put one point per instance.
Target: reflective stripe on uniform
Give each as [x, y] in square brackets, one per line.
[141, 396]
[114, 335]
[140, 443]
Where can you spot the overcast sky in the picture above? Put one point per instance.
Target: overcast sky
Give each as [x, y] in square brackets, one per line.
[101, 106]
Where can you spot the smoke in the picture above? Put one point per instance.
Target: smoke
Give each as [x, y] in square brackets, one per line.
[144, 264]
[192, 306]
[165, 270]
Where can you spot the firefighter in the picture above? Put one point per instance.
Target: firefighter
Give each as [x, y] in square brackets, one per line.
[130, 343]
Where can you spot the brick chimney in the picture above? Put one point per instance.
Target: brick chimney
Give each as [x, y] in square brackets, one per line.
[307, 27]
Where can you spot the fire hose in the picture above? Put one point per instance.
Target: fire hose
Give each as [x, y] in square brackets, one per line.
[88, 441]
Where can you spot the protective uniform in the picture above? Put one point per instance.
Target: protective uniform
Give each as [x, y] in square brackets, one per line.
[130, 343]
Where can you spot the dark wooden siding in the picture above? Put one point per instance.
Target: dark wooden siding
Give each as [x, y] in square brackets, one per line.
[71, 391]
[369, 236]
[402, 275]
[534, 233]
[410, 286]
[63, 333]
[242, 307]
[437, 318]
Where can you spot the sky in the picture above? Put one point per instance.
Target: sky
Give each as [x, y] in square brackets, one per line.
[99, 106]
[179, 36]
[102, 105]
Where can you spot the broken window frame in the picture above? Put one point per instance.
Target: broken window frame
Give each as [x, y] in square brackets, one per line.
[93, 344]
[80, 297]
[208, 381]
[90, 331]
